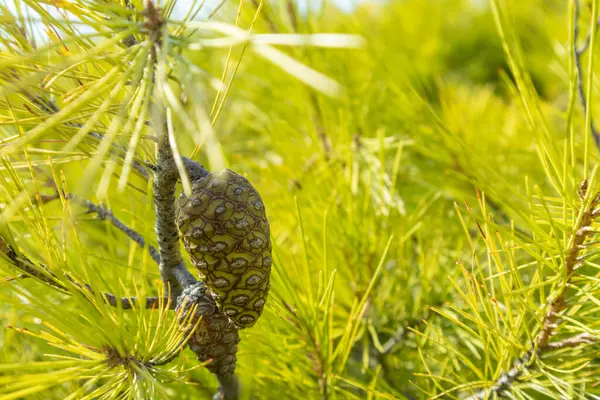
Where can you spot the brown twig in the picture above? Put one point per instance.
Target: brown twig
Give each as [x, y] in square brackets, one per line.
[571, 263]
[103, 213]
[575, 341]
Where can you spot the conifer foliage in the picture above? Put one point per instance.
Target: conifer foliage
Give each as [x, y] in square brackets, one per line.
[413, 214]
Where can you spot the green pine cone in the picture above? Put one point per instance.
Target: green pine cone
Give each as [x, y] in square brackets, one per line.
[225, 230]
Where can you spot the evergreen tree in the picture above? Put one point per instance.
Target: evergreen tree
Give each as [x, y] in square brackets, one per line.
[423, 188]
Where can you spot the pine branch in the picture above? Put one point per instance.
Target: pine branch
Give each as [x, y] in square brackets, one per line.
[24, 264]
[222, 333]
[218, 336]
[127, 303]
[173, 271]
[577, 53]
[31, 269]
[506, 379]
[558, 304]
[172, 268]
[28, 267]
[114, 358]
[105, 214]
[542, 343]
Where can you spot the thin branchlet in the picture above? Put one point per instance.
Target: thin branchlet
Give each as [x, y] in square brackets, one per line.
[506, 379]
[114, 358]
[577, 54]
[543, 342]
[575, 341]
[43, 274]
[168, 358]
[28, 267]
[105, 214]
[127, 303]
[130, 40]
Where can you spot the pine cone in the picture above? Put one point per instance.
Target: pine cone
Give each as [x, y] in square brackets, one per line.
[215, 337]
[225, 230]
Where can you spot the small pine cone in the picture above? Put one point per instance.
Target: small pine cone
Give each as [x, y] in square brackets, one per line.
[216, 336]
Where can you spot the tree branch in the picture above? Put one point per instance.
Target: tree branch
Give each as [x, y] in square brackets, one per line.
[173, 271]
[215, 336]
[104, 214]
[127, 303]
[577, 53]
[507, 379]
[549, 323]
[31, 269]
[172, 268]
[571, 262]
[582, 231]
[28, 267]
[129, 40]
